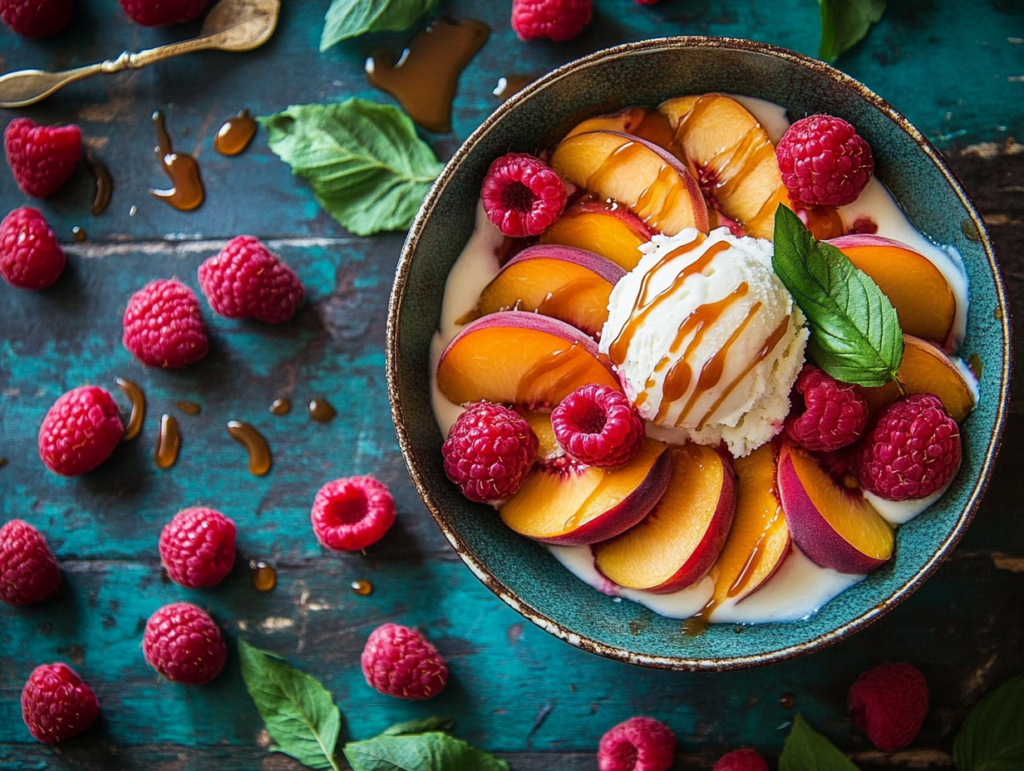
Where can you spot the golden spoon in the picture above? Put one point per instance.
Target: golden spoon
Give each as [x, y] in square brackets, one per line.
[231, 25]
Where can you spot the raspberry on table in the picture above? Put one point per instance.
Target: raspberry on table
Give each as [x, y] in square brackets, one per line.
[41, 157]
[160, 13]
[183, 644]
[824, 161]
[352, 513]
[556, 20]
[28, 569]
[741, 760]
[30, 257]
[80, 431]
[638, 744]
[598, 426]
[197, 547]
[889, 704]
[827, 414]
[248, 281]
[56, 704]
[35, 18]
[522, 195]
[163, 326]
[488, 452]
[400, 662]
[911, 450]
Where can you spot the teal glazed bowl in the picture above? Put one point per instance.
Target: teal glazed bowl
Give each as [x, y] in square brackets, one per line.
[522, 573]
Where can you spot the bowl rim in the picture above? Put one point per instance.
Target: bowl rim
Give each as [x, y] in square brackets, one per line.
[505, 593]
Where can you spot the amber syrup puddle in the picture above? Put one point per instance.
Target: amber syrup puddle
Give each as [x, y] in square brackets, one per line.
[138, 414]
[79, 234]
[511, 84]
[322, 411]
[189, 408]
[362, 588]
[168, 442]
[787, 701]
[104, 186]
[280, 407]
[264, 577]
[254, 443]
[186, 192]
[424, 77]
[236, 134]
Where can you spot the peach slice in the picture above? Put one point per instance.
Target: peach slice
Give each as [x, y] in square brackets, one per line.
[926, 370]
[679, 541]
[615, 234]
[916, 288]
[638, 174]
[568, 284]
[758, 542]
[637, 121]
[564, 502]
[520, 358]
[835, 527]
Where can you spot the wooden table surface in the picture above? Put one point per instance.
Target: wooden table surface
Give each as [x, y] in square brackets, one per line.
[955, 69]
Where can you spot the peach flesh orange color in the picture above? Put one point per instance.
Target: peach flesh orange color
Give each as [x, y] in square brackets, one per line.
[638, 121]
[600, 231]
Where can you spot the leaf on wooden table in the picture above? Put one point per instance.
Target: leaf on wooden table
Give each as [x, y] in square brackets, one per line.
[349, 18]
[807, 750]
[844, 23]
[431, 751]
[420, 726]
[992, 736]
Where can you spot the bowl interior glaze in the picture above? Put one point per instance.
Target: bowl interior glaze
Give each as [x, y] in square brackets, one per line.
[521, 572]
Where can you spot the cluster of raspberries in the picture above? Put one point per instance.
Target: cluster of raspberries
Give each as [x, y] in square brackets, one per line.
[42, 18]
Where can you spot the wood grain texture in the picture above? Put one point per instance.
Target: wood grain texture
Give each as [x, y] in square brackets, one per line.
[962, 628]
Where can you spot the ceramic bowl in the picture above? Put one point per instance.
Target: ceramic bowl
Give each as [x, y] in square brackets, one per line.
[521, 572]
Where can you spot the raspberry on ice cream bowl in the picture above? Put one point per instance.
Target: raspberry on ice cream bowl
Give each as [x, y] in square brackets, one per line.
[744, 504]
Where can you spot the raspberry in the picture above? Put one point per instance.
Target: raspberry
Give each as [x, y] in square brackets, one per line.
[554, 19]
[197, 547]
[522, 195]
[41, 157]
[741, 760]
[834, 414]
[28, 570]
[488, 452]
[35, 18]
[163, 326]
[911, 450]
[183, 644]
[598, 426]
[248, 281]
[352, 513]
[160, 13]
[79, 431]
[889, 704]
[646, 2]
[56, 704]
[30, 257]
[638, 744]
[824, 161]
[400, 662]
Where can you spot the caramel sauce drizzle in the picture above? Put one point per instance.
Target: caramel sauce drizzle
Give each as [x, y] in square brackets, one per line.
[236, 134]
[104, 186]
[254, 443]
[168, 442]
[321, 410]
[559, 302]
[186, 192]
[138, 400]
[571, 359]
[280, 406]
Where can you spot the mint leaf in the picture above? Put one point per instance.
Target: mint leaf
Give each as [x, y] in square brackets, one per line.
[368, 168]
[349, 18]
[992, 736]
[807, 750]
[421, 726]
[855, 333]
[299, 712]
[844, 23]
[432, 751]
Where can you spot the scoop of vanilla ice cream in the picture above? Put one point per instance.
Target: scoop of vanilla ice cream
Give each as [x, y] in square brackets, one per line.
[707, 339]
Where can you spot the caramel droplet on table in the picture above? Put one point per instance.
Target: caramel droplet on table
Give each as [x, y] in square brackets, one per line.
[3, 462]
[511, 84]
[168, 442]
[362, 588]
[264, 577]
[424, 78]
[281, 406]
[236, 134]
[186, 192]
[695, 627]
[254, 443]
[78, 234]
[104, 187]
[787, 701]
[189, 408]
[138, 400]
[322, 411]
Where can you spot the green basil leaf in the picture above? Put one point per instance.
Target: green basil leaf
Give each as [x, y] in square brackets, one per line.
[807, 750]
[855, 332]
[367, 167]
[299, 713]
[844, 23]
[421, 726]
[432, 751]
[992, 736]
[349, 18]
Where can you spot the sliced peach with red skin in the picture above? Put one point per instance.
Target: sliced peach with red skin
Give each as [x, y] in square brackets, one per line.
[563, 502]
[571, 285]
[520, 358]
[648, 180]
[833, 525]
[613, 233]
[677, 543]
[926, 370]
[918, 291]
[637, 121]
